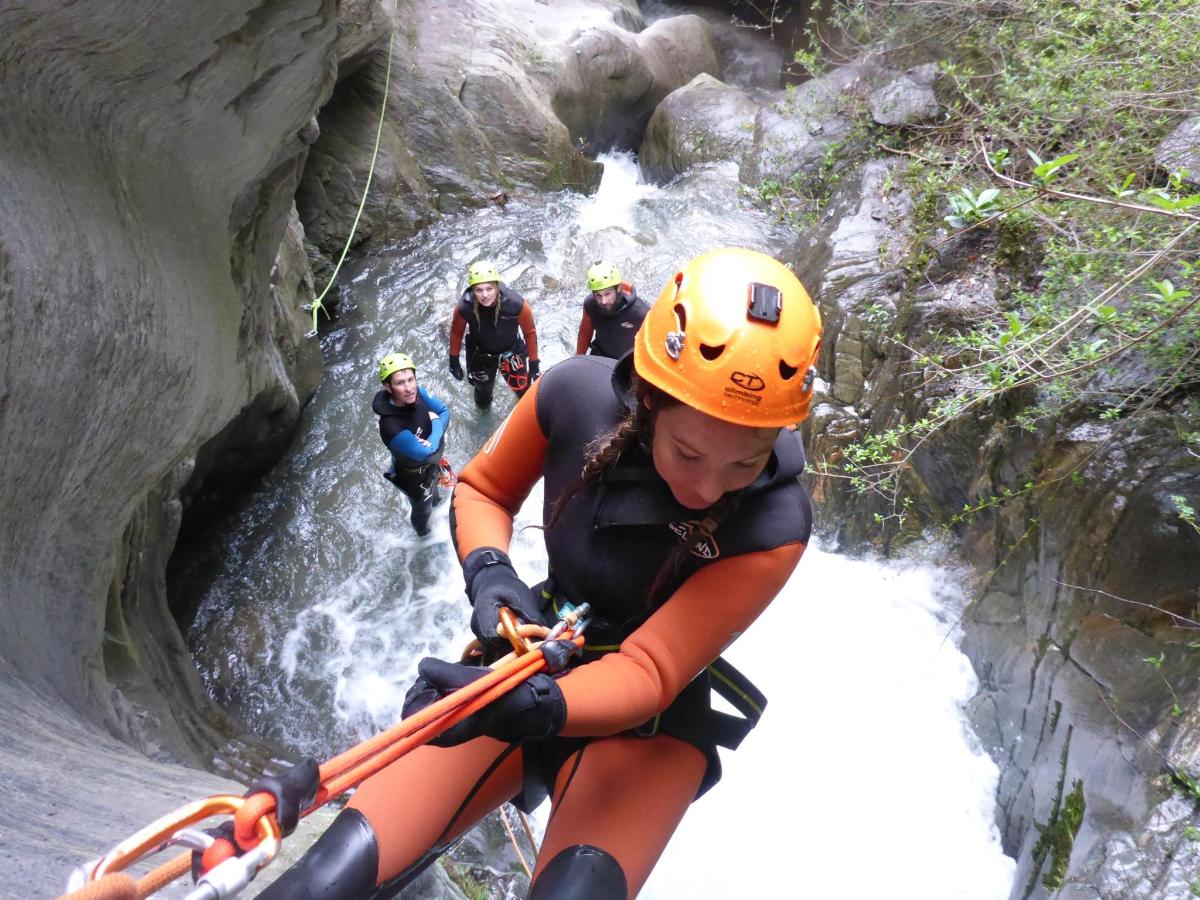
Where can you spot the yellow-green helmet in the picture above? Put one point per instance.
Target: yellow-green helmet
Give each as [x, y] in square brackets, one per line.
[603, 275]
[479, 272]
[393, 363]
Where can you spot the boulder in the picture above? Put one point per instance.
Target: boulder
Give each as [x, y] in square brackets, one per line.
[703, 121]
[907, 100]
[1181, 150]
[470, 112]
[793, 135]
[610, 81]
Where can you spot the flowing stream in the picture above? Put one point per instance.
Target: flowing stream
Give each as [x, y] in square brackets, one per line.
[315, 599]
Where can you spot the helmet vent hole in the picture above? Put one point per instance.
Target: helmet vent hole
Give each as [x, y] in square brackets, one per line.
[786, 372]
[681, 316]
[711, 353]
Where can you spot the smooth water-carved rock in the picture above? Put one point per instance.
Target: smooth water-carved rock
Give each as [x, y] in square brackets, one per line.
[703, 121]
[145, 188]
[610, 81]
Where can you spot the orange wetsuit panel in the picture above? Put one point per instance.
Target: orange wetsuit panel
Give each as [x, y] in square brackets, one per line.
[586, 330]
[622, 690]
[625, 795]
[458, 327]
[433, 794]
[525, 321]
[493, 485]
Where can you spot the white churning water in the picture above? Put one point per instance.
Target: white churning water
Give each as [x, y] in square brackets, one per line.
[318, 600]
[862, 780]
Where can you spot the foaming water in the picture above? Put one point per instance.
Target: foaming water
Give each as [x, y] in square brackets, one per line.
[315, 598]
[861, 780]
[616, 199]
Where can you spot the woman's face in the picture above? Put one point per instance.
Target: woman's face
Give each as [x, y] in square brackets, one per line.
[485, 292]
[701, 458]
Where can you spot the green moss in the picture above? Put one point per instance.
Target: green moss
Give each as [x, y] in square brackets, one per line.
[465, 880]
[1057, 836]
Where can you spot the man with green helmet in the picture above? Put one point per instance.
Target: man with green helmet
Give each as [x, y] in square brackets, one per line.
[491, 314]
[612, 314]
[412, 424]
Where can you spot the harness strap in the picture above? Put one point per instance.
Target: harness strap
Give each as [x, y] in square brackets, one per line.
[721, 728]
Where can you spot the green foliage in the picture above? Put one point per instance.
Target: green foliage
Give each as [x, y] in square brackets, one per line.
[1185, 511]
[967, 208]
[1055, 110]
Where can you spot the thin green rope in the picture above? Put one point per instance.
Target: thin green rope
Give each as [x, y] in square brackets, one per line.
[317, 305]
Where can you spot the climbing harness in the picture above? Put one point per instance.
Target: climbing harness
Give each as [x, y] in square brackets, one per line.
[515, 370]
[447, 477]
[227, 866]
[317, 305]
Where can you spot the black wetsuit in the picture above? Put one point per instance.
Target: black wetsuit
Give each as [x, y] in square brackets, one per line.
[414, 467]
[496, 331]
[615, 329]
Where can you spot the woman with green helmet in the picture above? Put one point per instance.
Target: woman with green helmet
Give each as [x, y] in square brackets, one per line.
[500, 335]
[612, 314]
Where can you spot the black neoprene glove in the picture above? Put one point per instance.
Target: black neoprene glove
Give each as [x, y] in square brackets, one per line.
[534, 709]
[456, 368]
[293, 789]
[492, 583]
[535, 369]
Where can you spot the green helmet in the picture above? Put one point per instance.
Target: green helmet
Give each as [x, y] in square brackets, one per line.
[481, 271]
[603, 275]
[393, 363]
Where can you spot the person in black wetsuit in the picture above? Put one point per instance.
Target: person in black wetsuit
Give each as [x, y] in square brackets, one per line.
[612, 314]
[412, 423]
[498, 324]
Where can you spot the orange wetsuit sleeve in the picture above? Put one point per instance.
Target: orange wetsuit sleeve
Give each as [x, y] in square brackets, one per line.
[586, 330]
[621, 690]
[458, 327]
[493, 485]
[525, 320]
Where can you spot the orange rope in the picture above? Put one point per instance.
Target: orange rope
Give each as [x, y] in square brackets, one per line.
[159, 878]
[252, 816]
[115, 886]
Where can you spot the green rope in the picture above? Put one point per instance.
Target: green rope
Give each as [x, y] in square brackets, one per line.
[317, 306]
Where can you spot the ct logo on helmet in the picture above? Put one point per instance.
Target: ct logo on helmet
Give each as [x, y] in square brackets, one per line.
[747, 381]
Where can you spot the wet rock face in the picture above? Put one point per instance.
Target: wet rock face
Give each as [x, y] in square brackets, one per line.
[1067, 693]
[703, 121]
[145, 189]
[850, 263]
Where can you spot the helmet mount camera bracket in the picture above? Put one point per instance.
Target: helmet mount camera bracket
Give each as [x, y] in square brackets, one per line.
[764, 302]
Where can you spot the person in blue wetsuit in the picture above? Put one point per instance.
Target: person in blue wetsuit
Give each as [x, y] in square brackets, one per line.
[412, 423]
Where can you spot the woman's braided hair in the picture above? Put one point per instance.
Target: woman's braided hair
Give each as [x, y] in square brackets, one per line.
[637, 430]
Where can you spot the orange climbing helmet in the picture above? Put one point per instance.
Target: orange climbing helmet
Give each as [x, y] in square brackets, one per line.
[735, 335]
